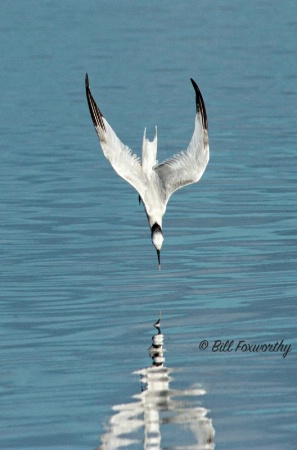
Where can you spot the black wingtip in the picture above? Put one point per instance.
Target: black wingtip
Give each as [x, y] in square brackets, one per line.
[193, 83]
[97, 116]
[200, 106]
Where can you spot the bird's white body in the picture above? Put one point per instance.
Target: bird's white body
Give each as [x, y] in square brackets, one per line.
[154, 182]
[153, 196]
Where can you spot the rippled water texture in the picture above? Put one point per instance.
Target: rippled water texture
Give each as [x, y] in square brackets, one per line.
[80, 288]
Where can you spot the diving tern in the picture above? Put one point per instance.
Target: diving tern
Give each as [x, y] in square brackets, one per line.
[154, 182]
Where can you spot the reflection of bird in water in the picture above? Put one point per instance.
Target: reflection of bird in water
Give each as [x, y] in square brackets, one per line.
[158, 324]
[160, 413]
[155, 182]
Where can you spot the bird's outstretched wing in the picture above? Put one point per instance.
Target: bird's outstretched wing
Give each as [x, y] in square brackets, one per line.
[124, 162]
[188, 166]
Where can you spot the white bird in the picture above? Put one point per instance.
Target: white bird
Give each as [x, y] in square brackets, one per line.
[154, 182]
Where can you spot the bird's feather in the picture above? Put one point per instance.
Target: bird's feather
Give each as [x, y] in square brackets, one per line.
[125, 163]
[188, 166]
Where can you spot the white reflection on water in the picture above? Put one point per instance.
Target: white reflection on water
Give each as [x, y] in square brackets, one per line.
[150, 417]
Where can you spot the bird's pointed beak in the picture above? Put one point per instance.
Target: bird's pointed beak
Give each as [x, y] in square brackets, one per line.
[159, 258]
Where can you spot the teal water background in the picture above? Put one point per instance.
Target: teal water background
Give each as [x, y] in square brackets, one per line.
[79, 282]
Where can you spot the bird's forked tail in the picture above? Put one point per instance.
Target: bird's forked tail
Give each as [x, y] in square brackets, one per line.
[149, 153]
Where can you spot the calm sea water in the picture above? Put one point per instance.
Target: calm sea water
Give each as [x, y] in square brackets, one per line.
[80, 289]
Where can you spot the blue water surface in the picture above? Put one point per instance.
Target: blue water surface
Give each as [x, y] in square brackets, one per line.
[80, 288]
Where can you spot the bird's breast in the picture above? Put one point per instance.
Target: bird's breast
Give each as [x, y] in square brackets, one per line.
[155, 207]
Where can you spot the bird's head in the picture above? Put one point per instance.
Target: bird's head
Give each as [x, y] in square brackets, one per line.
[157, 240]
